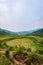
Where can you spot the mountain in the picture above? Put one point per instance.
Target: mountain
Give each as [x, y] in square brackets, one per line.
[6, 32]
[37, 32]
[24, 32]
[32, 32]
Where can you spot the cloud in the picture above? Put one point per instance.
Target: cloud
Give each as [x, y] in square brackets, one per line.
[3, 10]
[18, 9]
[3, 0]
[4, 14]
[3, 7]
[21, 14]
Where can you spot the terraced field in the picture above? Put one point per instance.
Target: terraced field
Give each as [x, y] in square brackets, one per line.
[31, 42]
[21, 50]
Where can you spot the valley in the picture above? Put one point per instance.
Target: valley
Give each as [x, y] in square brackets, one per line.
[21, 49]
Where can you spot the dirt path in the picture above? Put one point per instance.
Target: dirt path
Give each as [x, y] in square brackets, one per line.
[13, 61]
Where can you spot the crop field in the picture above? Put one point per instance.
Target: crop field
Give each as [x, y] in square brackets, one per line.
[5, 37]
[27, 42]
[21, 50]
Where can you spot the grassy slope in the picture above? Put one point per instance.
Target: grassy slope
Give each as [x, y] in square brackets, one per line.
[26, 42]
[5, 37]
[30, 41]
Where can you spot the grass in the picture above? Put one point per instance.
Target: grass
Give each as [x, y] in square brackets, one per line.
[32, 42]
[4, 60]
[38, 38]
[6, 37]
[27, 44]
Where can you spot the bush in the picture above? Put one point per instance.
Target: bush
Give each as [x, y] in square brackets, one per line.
[7, 53]
[35, 57]
[5, 44]
[0, 54]
[0, 45]
[18, 50]
[4, 63]
[41, 41]
[40, 51]
[29, 49]
[21, 47]
[11, 48]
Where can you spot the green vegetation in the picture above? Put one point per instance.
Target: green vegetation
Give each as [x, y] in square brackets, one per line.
[29, 49]
[7, 53]
[13, 47]
[40, 51]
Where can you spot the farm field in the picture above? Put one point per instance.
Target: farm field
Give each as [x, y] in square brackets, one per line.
[16, 49]
[26, 42]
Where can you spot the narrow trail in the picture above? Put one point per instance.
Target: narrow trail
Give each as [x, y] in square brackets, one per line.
[13, 61]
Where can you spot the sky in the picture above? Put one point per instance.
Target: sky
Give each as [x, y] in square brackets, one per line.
[21, 15]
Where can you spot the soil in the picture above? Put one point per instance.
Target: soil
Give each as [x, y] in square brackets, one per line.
[21, 57]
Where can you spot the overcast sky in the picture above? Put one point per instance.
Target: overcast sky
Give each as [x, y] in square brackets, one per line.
[20, 15]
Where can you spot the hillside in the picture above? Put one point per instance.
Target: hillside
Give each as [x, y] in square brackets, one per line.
[32, 32]
[38, 32]
[21, 49]
[6, 32]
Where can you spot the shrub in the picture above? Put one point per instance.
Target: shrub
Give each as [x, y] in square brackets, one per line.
[0, 45]
[7, 53]
[29, 49]
[41, 41]
[11, 48]
[35, 57]
[18, 51]
[25, 53]
[21, 47]
[5, 44]
[40, 51]
[4, 63]
[0, 54]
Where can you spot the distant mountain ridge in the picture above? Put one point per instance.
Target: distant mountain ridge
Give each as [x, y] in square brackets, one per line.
[32, 32]
[37, 32]
[24, 32]
[6, 32]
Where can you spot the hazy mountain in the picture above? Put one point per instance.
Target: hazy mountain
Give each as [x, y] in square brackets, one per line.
[6, 32]
[32, 32]
[37, 32]
[24, 32]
